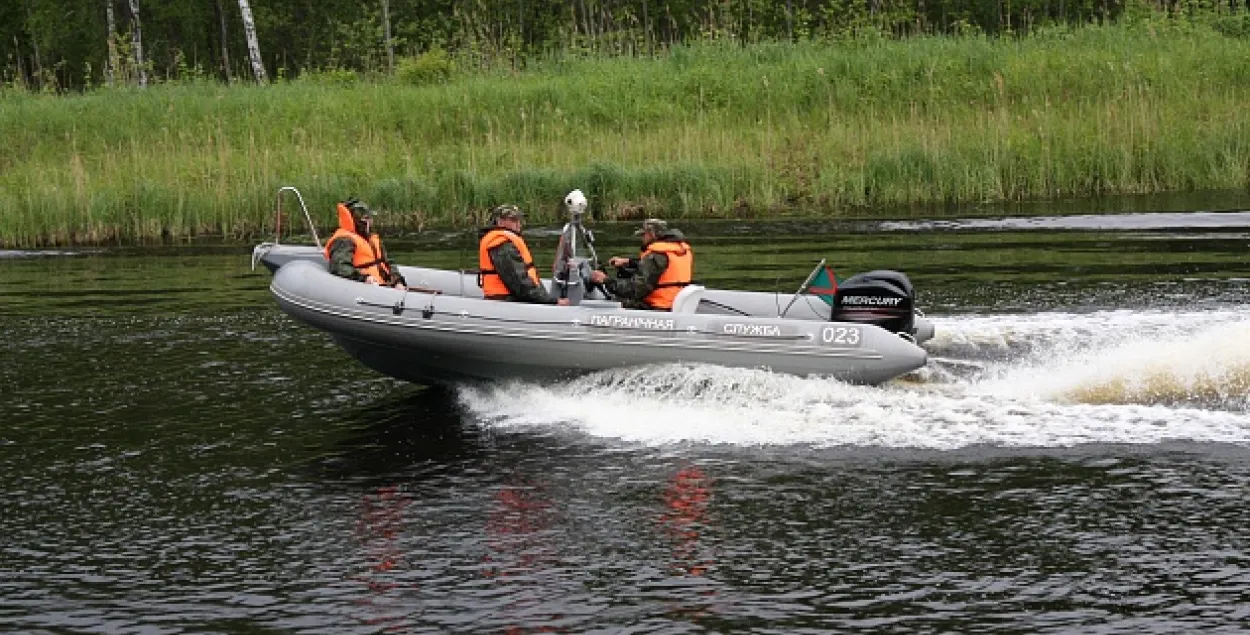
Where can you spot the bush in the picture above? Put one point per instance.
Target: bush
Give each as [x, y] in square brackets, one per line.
[330, 77]
[434, 66]
[1236, 25]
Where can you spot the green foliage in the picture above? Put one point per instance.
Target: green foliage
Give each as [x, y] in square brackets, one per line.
[330, 77]
[358, 44]
[432, 67]
[1230, 24]
[713, 129]
[59, 45]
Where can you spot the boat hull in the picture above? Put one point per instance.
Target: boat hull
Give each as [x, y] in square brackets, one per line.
[714, 301]
[441, 337]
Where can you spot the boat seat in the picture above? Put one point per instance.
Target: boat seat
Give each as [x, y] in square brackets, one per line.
[687, 300]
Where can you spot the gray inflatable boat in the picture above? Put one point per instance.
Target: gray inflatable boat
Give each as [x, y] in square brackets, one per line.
[441, 329]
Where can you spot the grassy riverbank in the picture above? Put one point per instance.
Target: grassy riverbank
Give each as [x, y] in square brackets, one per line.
[832, 128]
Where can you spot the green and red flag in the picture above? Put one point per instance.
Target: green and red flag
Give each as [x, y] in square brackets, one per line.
[824, 284]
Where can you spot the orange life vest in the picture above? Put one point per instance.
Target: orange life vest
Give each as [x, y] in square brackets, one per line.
[492, 285]
[679, 273]
[368, 258]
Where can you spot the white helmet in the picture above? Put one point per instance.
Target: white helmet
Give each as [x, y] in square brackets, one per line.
[575, 201]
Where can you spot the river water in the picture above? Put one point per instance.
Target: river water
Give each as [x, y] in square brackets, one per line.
[176, 455]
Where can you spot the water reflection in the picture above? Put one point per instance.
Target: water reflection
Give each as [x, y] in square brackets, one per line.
[686, 498]
[378, 532]
[519, 514]
[521, 558]
[684, 522]
[418, 432]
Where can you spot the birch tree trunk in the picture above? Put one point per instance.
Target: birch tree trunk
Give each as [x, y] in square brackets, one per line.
[110, 65]
[253, 47]
[136, 36]
[386, 25]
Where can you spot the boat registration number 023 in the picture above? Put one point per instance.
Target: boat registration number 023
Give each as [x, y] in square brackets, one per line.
[841, 335]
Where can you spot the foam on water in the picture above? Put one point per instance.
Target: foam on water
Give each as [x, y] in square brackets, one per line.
[18, 253]
[1043, 380]
[1107, 222]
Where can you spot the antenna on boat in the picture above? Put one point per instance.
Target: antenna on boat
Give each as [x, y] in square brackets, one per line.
[278, 224]
[803, 286]
[260, 250]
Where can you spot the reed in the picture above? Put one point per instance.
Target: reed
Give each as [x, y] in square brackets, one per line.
[857, 127]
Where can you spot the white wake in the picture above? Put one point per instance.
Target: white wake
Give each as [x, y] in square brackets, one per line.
[1043, 380]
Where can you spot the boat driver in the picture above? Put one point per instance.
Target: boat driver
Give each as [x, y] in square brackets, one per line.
[653, 280]
[355, 252]
[505, 267]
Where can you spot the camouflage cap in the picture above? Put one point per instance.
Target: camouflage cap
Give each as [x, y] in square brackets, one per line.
[358, 208]
[507, 210]
[653, 225]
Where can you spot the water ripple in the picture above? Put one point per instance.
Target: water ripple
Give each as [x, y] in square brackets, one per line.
[203, 464]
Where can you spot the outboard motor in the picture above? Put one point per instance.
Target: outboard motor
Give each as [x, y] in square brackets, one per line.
[884, 298]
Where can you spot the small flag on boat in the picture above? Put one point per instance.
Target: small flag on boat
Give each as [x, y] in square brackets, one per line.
[824, 284]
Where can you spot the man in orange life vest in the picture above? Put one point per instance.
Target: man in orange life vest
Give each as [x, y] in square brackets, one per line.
[506, 267]
[356, 253]
[653, 280]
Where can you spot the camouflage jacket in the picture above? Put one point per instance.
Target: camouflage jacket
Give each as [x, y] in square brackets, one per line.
[343, 252]
[507, 262]
[638, 279]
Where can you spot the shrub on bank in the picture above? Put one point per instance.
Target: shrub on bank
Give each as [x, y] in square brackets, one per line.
[432, 67]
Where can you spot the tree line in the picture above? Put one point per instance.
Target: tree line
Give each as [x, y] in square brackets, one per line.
[58, 45]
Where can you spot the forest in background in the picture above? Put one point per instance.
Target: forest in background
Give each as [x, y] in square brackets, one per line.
[60, 45]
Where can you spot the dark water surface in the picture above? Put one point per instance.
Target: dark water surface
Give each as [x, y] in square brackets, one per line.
[178, 456]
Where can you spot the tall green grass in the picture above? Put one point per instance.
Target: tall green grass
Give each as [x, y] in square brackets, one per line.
[710, 130]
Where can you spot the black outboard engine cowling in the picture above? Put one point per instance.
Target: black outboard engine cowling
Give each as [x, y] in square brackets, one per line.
[884, 298]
